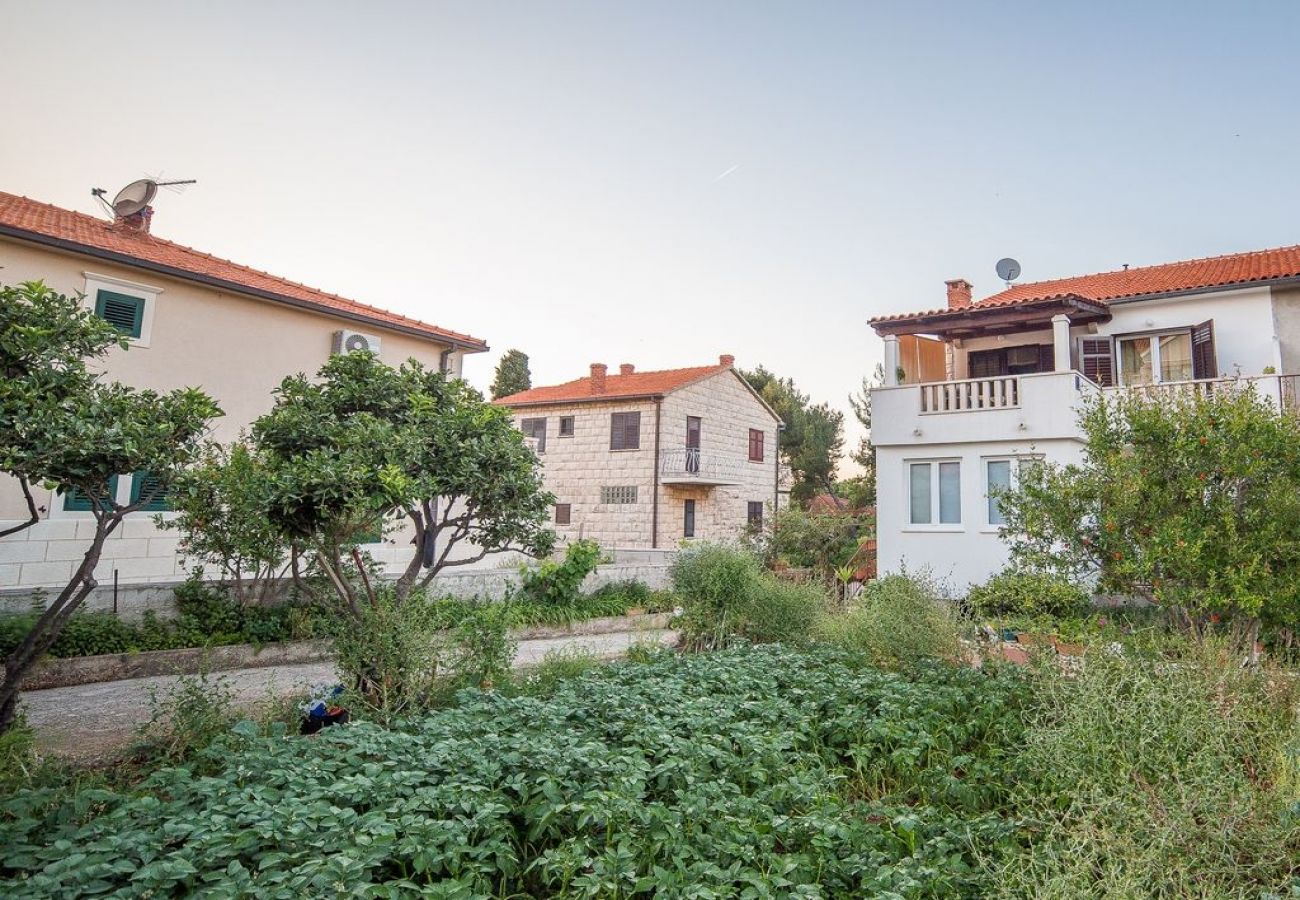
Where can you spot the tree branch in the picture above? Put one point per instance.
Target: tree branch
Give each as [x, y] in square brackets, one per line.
[33, 516]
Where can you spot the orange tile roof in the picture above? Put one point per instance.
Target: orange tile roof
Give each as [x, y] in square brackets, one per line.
[1104, 287]
[32, 220]
[617, 387]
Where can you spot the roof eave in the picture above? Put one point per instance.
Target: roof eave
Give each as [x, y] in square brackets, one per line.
[945, 320]
[570, 401]
[1286, 281]
[469, 346]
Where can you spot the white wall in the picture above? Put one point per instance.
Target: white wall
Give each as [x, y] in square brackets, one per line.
[959, 555]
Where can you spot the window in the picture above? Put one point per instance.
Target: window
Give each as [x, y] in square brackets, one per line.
[77, 501]
[755, 445]
[563, 513]
[1155, 358]
[1097, 358]
[1010, 361]
[624, 493]
[625, 431]
[535, 429]
[123, 311]
[935, 493]
[1003, 474]
[754, 514]
[688, 519]
[566, 426]
[143, 484]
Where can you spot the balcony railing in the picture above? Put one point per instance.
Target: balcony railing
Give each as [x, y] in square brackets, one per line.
[688, 465]
[970, 394]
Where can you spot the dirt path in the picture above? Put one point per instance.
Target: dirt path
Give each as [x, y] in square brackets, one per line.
[91, 721]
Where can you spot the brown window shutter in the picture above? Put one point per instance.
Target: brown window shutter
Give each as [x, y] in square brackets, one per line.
[1097, 357]
[1204, 363]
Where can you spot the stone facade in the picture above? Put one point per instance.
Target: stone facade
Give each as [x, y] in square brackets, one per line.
[577, 467]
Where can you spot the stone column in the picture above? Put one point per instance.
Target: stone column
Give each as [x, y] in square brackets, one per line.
[891, 360]
[1061, 341]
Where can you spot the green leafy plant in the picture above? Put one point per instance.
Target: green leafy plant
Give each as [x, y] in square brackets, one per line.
[1029, 594]
[898, 621]
[186, 717]
[559, 583]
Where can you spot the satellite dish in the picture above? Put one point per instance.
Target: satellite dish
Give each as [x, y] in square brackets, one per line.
[134, 197]
[1008, 269]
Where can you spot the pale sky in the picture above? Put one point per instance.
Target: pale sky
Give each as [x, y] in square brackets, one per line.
[658, 183]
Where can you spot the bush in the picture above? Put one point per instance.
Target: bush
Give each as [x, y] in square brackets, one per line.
[725, 594]
[389, 655]
[1027, 594]
[897, 621]
[559, 583]
[482, 652]
[186, 718]
[1160, 778]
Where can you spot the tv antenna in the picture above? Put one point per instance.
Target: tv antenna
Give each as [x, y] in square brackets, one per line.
[1008, 270]
[137, 195]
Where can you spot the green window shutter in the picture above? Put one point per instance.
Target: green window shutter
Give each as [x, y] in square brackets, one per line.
[77, 501]
[143, 484]
[121, 310]
[373, 535]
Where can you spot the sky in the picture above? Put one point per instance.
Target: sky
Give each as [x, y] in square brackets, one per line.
[660, 183]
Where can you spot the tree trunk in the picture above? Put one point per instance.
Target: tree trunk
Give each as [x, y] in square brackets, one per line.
[49, 626]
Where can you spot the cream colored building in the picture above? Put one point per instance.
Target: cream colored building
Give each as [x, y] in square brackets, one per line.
[642, 460]
[193, 320]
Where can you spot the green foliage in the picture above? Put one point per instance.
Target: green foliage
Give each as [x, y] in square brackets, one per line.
[482, 652]
[725, 594]
[18, 760]
[822, 543]
[813, 435]
[1148, 778]
[553, 583]
[512, 375]
[760, 772]
[555, 669]
[898, 621]
[1029, 594]
[221, 507]
[863, 488]
[186, 718]
[363, 441]
[1193, 501]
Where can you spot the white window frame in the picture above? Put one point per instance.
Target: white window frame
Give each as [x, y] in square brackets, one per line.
[146, 292]
[1018, 461]
[1156, 363]
[934, 524]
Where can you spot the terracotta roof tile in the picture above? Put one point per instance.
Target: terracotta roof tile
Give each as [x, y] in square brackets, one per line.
[1103, 287]
[25, 218]
[617, 387]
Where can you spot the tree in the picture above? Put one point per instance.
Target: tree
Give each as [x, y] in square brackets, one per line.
[69, 429]
[1192, 502]
[813, 437]
[512, 374]
[364, 443]
[863, 488]
[222, 511]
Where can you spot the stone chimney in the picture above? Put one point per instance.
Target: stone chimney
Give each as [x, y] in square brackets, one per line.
[959, 291]
[727, 360]
[626, 369]
[598, 378]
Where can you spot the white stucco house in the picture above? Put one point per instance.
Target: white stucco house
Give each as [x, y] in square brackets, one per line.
[645, 460]
[192, 320]
[975, 388]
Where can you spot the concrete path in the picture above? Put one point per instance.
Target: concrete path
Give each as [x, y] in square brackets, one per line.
[92, 721]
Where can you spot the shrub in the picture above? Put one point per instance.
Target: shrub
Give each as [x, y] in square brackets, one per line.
[1155, 778]
[389, 654]
[560, 583]
[482, 652]
[186, 718]
[725, 594]
[1028, 594]
[897, 621]
[556, 668]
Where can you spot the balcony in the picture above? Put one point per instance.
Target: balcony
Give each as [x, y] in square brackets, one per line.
[1040, 406]
[705, 468]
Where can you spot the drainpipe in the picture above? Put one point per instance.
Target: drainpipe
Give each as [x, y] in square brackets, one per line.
[444, 360]
[654, 504]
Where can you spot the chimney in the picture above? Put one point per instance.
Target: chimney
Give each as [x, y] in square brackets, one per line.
[137, 222]
[598, 378]
[727, 360]
[958, 293]
[626, 369]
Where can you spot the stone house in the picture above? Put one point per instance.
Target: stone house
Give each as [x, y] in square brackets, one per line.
[192, 320]
[645, 460]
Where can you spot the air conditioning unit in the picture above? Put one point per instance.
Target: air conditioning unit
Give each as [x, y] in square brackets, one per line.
[348, 341]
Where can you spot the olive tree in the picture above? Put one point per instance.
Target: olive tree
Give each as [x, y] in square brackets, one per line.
[363, 443]
[1191, 501]
[65, 427]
